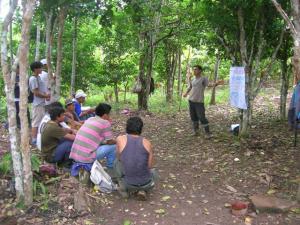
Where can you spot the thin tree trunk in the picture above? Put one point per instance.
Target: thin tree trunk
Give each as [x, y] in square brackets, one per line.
[187, 79]
[284, 88]
[49, 17]
[9, 79]
[179, 77]
[23, 56]
[61, 23]
[37, 43]
[216, 73]
[74, 46]
[11, 39]
[116, 92]
[243, 48]
[125, 92]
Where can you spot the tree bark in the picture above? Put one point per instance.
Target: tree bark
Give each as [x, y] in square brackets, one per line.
[23, 56]
[9, 79]
[171, 58]
[49, 18]
[37, 43]
[179, 77]
[243, 49]
[284, 88]
[61, 23]
[116, 92]
[74, 46]
[216, 72]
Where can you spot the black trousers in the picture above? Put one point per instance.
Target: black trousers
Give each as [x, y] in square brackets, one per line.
[197, 113]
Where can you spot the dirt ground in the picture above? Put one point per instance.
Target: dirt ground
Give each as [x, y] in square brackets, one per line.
[198, 177]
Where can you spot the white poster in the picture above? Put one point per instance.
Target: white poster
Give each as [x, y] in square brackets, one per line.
[237, 87]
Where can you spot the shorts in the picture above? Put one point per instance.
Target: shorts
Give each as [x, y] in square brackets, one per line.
[38, 112]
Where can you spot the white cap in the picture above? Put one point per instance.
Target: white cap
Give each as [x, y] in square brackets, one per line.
[44, 61]
[80, 93]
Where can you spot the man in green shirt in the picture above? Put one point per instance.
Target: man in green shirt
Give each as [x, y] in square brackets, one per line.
[56, 141]
[196, 100]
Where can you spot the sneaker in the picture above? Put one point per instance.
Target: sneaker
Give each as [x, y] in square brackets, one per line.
[141, 195]
[208, 135]
[195, 133]
[122, 191]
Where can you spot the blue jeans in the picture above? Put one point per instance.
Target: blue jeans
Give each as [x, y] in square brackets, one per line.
[108, 152]
[62, 151]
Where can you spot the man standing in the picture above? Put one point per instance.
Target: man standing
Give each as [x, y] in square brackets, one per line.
[38, 88]
[44, 77]
[196, 101]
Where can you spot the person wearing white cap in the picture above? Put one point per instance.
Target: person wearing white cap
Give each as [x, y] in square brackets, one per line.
[78, 101]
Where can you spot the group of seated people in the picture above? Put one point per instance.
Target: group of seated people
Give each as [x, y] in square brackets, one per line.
[65, 139]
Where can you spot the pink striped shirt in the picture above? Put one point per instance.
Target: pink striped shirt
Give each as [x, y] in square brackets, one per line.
[91, 134]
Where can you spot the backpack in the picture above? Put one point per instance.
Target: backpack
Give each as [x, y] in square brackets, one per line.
[101, 178]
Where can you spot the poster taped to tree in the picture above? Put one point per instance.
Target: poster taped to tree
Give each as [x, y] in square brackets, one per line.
[237, 87]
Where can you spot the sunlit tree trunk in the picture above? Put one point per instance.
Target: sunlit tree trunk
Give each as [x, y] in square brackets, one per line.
[23, 57]
[61, 23]
[9, 79]
[74, 46]
[216, 73]
[37, 43]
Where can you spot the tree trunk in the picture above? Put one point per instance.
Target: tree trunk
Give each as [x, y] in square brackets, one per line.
[284, 88]
[125, 91]
[179, 77]
[74, 46]
[11, 39]
[9, 80]
[243, 49]
[37, 43]
[116, 92]
[61, 23]
[49, 18]
[216, 71]
[171, 59]
[23, 56]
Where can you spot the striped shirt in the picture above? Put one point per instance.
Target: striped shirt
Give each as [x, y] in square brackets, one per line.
[89, 137]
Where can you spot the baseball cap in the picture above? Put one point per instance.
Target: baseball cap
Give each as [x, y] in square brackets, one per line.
[80, 93]
[44, 61]
[68, 102]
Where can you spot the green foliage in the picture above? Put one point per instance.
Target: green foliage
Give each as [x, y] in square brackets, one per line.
[5, 164]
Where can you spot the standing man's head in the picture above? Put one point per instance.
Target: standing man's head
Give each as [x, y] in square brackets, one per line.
[134, 125]
[80, 96]
[57, 114]
[36, 68]
[103, 110]
[197, 70]
[69, 105]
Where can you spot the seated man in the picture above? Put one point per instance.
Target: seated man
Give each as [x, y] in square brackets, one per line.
[134, 166]
[56, 142]
[78, 101]
[73, 119]
[45, 119]
[94, 140]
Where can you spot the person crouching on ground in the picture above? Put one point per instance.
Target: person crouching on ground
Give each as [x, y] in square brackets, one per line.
[134, 167]
[94, 139]
[56, 142]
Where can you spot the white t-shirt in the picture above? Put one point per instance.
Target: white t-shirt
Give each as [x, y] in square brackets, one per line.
[45, 119]
[44, 77]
